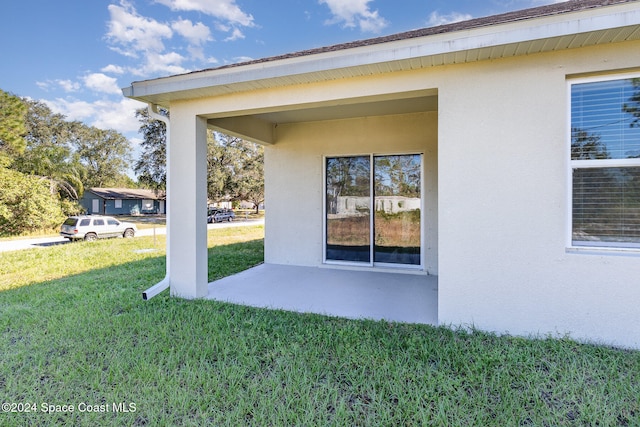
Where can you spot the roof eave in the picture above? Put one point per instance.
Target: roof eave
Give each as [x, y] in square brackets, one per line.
[358, 60]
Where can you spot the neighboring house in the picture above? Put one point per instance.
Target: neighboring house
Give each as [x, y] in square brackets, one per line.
[123, 201]
[224, 205]
[514, 131]
[229, 204]
[352, 205]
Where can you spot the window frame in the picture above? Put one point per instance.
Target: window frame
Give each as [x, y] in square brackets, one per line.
[600, 246]
[373, 264]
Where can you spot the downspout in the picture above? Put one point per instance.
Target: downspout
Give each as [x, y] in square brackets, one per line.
[166, 282]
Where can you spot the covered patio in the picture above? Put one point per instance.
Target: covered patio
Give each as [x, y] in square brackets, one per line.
[468, 125]
[397, 297]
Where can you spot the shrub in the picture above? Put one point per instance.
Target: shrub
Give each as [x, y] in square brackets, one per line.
[27, 204]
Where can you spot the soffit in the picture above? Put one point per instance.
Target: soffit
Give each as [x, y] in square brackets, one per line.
[360, 109]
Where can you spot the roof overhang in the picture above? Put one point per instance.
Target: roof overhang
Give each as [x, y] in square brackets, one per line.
[599, 25]
[127, 193]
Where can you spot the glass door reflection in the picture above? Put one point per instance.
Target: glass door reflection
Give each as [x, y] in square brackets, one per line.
[348, 201]
[387, 231]
[397, 203]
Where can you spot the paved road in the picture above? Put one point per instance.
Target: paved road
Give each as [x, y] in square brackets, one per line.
[45, 242]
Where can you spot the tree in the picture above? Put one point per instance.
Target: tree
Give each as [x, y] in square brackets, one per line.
[250, 180]
[48, 153]
[587, 146]
[633, 107]
[12, 127]
[151, 167]
[223, 162]
[347, 176]
[234, 166]
[46, 161]
[235, 169]
[397, 176]
[105, 154]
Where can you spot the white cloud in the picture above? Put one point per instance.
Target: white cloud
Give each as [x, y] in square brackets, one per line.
[43, 85]
[235, 35]
[132, 33]
[372, 23]
[120, 116]
[71, 109]
[102, 114]
[102, 83]
[196, 34]
[226, 10]
[68, 85]
[114, 69]
[239, 59]
[355, 13]
[196, 52]
[146, 39]
[135, 36]
[168, 63]
[222, 27]
[436, 19]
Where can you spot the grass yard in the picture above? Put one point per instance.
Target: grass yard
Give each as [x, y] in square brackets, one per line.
[75, 331]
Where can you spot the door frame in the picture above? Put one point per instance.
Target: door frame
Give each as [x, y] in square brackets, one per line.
[372, 264]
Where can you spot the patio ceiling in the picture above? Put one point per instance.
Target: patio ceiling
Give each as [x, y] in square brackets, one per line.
[375, 108]
[403, 104]
[258, 126]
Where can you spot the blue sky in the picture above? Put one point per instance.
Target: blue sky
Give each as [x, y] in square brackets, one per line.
[75, 55]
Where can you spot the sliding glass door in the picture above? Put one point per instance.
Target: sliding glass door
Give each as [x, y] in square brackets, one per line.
[397, 209]
[348, 209]
[373, 206]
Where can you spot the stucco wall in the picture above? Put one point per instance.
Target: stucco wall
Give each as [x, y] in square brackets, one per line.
[504, 200]
[497, 189]
[502, 192]
[295, 186]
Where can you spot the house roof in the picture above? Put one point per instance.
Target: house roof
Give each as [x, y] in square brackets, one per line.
[565, 25]
[127, 193]
[519, 15]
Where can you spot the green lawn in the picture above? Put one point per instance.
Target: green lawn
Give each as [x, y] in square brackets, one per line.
[75, 331]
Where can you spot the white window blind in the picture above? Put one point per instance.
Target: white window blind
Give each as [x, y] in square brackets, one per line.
[605, 162]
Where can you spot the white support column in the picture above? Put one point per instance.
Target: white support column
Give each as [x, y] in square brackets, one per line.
[187, 205]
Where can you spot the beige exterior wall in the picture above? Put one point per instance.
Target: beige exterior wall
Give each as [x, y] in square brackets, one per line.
[295, 186]
[504, 201]
[501, 187]
[496, 188]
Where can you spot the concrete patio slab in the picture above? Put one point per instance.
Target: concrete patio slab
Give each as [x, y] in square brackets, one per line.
[398, 297]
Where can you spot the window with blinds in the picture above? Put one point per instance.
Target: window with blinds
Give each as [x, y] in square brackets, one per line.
[605, 162]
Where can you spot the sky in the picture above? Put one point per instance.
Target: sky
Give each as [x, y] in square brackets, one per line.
[76, 55]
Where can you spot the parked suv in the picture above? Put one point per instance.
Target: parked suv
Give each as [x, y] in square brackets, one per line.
[219, 215]
[92, 227]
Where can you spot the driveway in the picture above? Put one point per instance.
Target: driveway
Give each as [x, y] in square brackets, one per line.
[45, 242]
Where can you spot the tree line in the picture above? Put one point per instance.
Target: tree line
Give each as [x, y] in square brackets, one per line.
[235, 167]
[47, 162]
